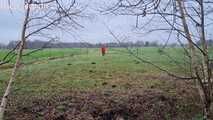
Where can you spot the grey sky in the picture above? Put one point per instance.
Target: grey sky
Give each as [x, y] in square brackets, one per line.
[94, 30]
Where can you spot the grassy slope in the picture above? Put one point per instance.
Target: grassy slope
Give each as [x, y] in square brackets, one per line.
[55, 71]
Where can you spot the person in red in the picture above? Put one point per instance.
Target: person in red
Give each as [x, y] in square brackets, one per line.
[103, 50]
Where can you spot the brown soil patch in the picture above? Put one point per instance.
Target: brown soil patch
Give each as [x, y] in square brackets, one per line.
[108, 105]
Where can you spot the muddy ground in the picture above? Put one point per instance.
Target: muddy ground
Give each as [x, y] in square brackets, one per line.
[133, 104]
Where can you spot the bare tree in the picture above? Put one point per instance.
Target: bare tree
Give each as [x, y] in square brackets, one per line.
[188, 20]
[42, 18]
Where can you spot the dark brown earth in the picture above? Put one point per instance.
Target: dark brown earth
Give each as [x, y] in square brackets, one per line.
[133, 104]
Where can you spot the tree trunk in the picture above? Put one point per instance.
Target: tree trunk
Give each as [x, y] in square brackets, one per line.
[205, 62]
[16, 66]
[207, 112]
[199, 82]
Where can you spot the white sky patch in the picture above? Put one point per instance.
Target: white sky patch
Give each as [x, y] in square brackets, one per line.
[94, 30]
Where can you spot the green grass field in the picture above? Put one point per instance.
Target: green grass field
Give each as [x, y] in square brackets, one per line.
[73, 68]
[56, 71]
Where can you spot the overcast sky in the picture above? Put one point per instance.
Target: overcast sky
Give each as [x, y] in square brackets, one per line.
[94, 30]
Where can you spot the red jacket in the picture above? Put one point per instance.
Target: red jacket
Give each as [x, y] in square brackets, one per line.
[103, 49]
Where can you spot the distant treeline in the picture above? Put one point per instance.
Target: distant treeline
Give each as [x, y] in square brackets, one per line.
[42, 44]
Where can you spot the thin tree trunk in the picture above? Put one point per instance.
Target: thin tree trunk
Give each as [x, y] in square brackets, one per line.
[205, 62]
[16, 66]
[195, 67]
